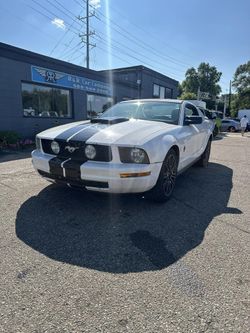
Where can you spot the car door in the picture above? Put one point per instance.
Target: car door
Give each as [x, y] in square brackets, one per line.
[189, 137]
[224, 125]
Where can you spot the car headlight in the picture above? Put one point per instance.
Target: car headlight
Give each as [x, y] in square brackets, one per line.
[133, 155]
[90, 152]
[55, 147]
[137, 155]
[38, 143]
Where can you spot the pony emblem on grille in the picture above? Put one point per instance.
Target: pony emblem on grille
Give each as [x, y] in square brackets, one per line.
[71, 149]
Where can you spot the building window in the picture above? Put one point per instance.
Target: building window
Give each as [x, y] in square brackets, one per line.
[156, 90]
[162, 92]
[43, 101]
[169, 93]
[97, 104]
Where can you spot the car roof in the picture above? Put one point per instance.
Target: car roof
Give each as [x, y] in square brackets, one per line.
[179, 101]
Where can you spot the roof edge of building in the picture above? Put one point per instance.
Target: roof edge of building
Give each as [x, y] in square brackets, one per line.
[5, 48]
[138, 67]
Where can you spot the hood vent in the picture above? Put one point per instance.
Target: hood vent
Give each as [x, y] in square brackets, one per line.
[108, 121]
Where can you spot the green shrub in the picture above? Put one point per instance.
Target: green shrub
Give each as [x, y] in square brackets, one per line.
[8, 137]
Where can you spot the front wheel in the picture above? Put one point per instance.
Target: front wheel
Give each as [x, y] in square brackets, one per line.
[164, 187]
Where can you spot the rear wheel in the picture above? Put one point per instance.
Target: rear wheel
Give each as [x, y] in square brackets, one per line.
[203, 161]
[164, 187]
[231, 129]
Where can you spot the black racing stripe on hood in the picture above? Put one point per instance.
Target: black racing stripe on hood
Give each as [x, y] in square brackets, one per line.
[83, 132]
[87, 133]
[71, 131]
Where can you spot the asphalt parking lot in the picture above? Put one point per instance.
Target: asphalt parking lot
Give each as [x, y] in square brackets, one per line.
[76, 261]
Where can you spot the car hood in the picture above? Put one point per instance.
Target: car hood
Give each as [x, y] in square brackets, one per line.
[119, 131]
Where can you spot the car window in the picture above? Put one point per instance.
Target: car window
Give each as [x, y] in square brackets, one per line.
[168, 112]
[190, 110]
[203, 111]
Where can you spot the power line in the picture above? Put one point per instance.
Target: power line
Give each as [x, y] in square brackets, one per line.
[50, 19]
[71, 51]
[61, 39]
[133, 39]
[62, 11]
[28, 23]
[146, 57]
[64, 35]
[129, 63]
[128, 33]
[51, 13]
[76, 31]
[67, 46]
[131, 56]
[153, 36]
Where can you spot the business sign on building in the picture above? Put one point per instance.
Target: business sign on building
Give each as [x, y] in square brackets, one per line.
[49, 76]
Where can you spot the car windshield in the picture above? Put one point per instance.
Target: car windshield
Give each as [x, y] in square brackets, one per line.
[167, 112]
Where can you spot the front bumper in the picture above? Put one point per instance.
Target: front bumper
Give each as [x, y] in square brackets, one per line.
[98, 176]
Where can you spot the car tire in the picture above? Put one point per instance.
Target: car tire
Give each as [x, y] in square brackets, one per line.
[164, 187]
[232, 129]
[215, 131]
[204, 159]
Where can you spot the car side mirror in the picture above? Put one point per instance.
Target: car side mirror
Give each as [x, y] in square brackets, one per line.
[190, 120]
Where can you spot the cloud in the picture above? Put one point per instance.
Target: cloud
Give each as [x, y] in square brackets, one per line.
[95, 3]
[59, 23]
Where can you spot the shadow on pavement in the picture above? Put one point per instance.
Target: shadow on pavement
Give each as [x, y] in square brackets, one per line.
[122, 234]
[6, 156]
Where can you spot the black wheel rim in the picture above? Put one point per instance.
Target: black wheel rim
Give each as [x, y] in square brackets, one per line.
[169, 174]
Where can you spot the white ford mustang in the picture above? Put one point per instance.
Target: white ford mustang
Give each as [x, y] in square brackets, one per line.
[135, 146]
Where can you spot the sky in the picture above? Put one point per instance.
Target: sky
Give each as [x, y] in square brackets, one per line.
[167, 36]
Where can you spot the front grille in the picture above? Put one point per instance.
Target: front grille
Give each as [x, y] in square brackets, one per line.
[74, 182]
[103, 153]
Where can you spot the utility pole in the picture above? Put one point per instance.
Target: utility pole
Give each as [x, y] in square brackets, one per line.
[198, 93]
[229, 100]
[225, 107]
[88, 32]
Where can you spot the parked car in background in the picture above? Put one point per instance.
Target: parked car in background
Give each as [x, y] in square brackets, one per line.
[49, 114]
[230, 125]
[135, 146]
[213, 116]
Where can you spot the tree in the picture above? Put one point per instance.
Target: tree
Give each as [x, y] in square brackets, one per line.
[188, 95]
[205, 78]
[241, 81]
[180, 90]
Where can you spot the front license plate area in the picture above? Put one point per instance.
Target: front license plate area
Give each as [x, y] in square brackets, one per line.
[72, 170]
[55, 167]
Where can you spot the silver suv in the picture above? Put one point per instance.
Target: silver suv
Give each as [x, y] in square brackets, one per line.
[230, 125]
